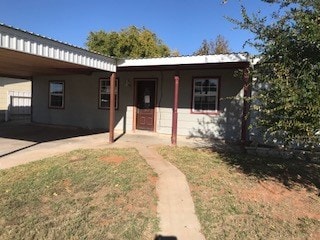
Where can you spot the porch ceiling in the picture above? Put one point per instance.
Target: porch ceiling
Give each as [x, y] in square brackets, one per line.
[21, 65]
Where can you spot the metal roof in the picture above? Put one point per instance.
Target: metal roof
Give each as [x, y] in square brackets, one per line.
[16, 43]
[25, 54]
[185, 60]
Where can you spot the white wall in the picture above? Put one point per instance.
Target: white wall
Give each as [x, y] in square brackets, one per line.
[8, 85]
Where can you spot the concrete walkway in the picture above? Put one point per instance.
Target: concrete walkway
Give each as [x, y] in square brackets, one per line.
[29, 151]
[175, 206]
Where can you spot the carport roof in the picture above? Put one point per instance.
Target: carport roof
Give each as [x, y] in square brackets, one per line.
[24, 54]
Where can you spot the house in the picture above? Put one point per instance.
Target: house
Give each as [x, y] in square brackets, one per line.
[15, 98]
[189, 95]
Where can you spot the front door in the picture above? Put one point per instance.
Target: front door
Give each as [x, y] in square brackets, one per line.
[145, 104]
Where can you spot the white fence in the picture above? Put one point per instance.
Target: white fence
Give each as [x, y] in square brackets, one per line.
[19, 105]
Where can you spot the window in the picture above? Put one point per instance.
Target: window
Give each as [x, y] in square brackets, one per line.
[56, 94]
[205, 95]
[104, 93]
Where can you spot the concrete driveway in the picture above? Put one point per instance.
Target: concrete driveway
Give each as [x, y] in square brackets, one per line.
[24, 142]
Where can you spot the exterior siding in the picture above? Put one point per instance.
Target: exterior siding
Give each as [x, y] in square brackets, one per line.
[11, 84]
[80, 106]
[226, 125]
[81, 103]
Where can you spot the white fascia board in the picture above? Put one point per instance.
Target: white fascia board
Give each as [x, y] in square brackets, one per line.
[167, 61]
[30, 43]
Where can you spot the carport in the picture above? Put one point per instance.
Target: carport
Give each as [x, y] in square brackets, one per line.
[26, 55]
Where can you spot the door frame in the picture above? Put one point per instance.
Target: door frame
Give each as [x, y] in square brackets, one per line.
[134, 122]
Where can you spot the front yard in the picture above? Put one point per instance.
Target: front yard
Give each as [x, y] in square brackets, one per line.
[110, 194]
[85, 194]
[244, 197]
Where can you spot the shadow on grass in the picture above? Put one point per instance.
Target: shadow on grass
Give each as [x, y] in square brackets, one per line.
[290, 172]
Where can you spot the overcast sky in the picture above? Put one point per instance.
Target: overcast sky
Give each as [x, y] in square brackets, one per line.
[181, 24]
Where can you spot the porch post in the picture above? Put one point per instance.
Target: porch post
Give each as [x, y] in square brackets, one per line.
[175, 111]
[246, 94]
[112, 107]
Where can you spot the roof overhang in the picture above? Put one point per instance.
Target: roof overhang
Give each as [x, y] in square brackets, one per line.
[24, 55]
[235, 60]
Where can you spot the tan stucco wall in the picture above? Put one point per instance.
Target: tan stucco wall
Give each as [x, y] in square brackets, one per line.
[11, 84]
[81, 103]
[225, 125]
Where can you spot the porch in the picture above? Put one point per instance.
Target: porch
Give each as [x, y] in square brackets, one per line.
[75, 87]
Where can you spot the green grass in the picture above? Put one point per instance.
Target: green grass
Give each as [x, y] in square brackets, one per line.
[80, 195]
[242, 197]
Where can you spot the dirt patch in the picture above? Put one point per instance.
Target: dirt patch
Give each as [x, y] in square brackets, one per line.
[287, 204]
[315, 235]
[153, 179]
[113, 159]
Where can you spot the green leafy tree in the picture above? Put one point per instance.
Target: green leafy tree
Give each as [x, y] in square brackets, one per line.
[288, 73]
[131, 42]
[218, 46]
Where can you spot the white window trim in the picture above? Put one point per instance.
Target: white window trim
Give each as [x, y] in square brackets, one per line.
[108, 92]
[215, 94]
[57, 94]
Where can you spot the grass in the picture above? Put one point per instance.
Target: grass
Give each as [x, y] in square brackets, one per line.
[242, 197]
[85, 194]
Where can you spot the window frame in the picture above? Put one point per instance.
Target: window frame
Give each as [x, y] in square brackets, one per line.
[50, 94]
[217, 96]
[116, 93]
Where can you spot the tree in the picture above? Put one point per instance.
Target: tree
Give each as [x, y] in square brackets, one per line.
[131, 42]
[218, 46]
[288, 73]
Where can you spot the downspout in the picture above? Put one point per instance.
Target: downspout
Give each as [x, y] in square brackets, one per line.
[175, 111]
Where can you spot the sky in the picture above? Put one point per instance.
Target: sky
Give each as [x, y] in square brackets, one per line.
[180, 24]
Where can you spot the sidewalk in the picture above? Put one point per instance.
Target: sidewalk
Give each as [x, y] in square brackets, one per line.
[175, 206]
